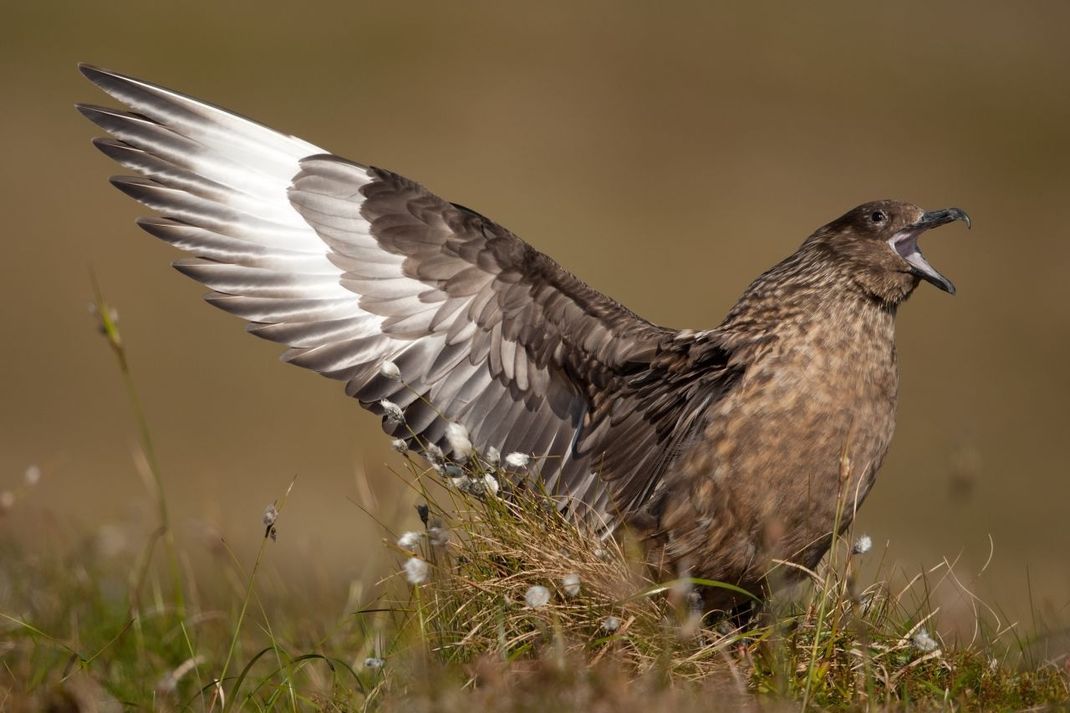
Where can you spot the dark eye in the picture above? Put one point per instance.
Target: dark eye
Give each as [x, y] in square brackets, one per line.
[878, 216]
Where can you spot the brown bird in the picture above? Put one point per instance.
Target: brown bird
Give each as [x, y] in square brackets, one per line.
[728, 448]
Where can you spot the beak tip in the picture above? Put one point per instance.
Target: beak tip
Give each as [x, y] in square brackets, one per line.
[960, 214]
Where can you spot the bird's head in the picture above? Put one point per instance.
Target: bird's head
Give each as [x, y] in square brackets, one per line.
[878, 244]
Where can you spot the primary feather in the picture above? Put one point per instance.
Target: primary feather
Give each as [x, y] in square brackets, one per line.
[352, 266]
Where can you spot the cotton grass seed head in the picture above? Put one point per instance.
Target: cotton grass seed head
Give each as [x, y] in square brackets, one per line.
[457, 437]
[610, 624]
[518, 460]
[492, 456]
[537, 597]
[862, 545]
[374, 662]
[416, 571]
[33, 475]
[924, 642]
[434, 454]
[7, 501]
[390, 370]
[491, 484]
[571, 584]
[476, 487]
[392, 412]
[400, 445]
[271, 514]
[409, 540]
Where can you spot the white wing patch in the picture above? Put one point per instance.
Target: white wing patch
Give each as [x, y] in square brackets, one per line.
[224, 186]
[221, 183]
[277, 229]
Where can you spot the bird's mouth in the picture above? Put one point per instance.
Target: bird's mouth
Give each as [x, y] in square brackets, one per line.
[905, 244]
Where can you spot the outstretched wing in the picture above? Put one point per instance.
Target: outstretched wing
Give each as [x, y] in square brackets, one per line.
[352, 266]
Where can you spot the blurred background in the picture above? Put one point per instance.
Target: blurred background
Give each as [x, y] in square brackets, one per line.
[694, 144]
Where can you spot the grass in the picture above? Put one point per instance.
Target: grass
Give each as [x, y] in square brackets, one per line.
[498, 602]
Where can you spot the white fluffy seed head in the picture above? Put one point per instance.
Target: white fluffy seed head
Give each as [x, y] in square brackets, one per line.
[374, 662]
[434, 454]
[409, 540]
[457, 437]
[33, 475]
[924, 642]
[493, 456]
[7, 500]
[518, 460]
[416, 570]
[571, 584]
[537, 596]
[393, 413]
[491, 484]
[390, 370]
[610, 624]
[862, 545]
[399, 445]
[271, 514]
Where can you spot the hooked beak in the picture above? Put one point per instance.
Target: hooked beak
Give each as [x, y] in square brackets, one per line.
[905, 243]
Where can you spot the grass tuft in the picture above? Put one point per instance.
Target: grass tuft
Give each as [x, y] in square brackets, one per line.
[519, 605]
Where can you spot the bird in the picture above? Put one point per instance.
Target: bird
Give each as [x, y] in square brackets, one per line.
[730, 450]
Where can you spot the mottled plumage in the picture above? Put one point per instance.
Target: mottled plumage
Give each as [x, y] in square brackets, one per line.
[728, 448]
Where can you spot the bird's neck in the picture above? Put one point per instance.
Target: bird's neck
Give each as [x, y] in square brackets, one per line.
[801, 297]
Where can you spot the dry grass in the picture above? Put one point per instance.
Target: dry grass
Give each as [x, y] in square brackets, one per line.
[829, 644]
[497, 550]
[89, 631]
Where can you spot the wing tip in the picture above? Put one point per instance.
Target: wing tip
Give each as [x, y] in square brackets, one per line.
[97, 75]
[107, 118]
[88, 70]
[112, 148]
[164, 229]
[90, 110]
[123, 183]
[141, 189]
[191, 267]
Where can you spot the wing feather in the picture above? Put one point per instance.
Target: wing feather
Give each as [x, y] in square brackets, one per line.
[351, 266]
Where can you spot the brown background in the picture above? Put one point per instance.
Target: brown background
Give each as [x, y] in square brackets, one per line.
[667, 153]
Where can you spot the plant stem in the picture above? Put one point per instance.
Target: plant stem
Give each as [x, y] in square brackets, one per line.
[245, 600]
[111, 332]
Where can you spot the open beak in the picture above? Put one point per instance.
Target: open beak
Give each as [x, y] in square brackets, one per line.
[905, 243]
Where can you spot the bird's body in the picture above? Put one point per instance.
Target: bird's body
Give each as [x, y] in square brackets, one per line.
[794, 446]
[728, 448]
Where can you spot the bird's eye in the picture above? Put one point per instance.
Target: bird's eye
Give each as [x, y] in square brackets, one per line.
[878, 216]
